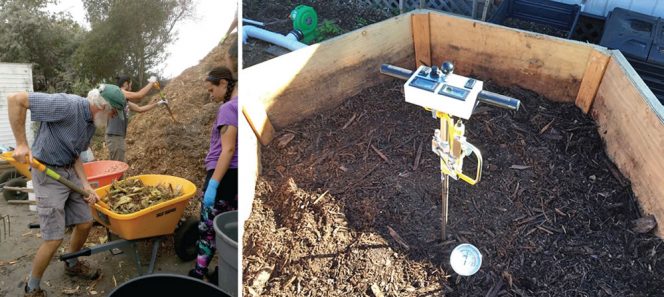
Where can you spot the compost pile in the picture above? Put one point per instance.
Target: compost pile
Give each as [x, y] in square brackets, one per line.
[535, 27]
[348, 204]
[131, 195]
[157, 145]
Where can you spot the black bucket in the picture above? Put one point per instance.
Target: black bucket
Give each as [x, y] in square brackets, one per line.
[166, 285]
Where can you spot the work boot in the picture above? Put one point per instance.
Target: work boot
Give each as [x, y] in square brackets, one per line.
[83, 270]
[35, 293]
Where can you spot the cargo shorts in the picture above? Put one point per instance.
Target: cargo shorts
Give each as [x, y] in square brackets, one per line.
[57, 205]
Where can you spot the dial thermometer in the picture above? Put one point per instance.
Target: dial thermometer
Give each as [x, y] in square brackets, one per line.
[466, 259]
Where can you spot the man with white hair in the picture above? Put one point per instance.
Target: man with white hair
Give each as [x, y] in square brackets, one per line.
[68, 123]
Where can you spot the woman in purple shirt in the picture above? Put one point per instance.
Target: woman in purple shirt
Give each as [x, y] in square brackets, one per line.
[221, 164]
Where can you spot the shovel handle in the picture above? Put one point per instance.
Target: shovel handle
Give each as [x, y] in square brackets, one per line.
[158, 86]
[54, 175]
[163, 97]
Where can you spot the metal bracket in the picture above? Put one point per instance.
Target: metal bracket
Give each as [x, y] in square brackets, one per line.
[442, 149]
[452, 159]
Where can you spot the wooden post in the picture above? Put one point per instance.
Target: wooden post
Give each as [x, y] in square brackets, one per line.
[592, 78]
[421, 39]
[423, 4]
[401, 6]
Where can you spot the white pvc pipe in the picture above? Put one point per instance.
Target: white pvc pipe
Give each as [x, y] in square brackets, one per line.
[292, 36]
[249, 21]
[271, 37]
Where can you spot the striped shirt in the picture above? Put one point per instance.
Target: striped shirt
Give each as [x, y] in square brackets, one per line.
[66, 127]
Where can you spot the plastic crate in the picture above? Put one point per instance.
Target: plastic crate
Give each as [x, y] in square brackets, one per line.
[156, 220]
[652, 74]
[630, 32]
[656, 54]
[556, 15]
[589, 28]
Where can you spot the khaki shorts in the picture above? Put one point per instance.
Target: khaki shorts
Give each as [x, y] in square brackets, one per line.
[116, 147]
[57, 205]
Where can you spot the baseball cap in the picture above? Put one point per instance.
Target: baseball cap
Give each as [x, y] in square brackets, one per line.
[114, 96]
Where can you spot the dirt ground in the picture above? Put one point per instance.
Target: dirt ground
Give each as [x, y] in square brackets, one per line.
[348, 203]
[346, 206]
[18, 249]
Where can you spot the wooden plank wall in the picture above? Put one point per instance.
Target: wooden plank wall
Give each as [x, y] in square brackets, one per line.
[631, 121]
[309, 81]
[302, 83]
[510, 57]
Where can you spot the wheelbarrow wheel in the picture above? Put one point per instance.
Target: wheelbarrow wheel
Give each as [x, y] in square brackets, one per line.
[8, 175]
[185, 240]
[18, 182]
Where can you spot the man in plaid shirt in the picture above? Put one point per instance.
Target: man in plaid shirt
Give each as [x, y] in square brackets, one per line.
[68, 123]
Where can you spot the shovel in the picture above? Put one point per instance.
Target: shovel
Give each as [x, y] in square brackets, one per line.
[54, 175]
[161, 94]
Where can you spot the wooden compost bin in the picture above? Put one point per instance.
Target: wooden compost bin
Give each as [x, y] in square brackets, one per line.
[300, 84]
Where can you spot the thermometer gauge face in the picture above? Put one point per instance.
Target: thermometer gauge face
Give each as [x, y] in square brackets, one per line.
[466, 259]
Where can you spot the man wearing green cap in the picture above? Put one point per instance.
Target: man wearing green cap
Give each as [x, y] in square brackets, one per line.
[68, 123]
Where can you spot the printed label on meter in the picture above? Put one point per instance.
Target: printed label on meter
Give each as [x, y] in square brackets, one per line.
[454, 92]
[424, 84]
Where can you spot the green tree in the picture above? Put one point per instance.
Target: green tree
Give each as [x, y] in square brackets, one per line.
[129, 36]
[30, 35]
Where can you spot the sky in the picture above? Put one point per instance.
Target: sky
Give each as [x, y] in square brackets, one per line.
[196, 36]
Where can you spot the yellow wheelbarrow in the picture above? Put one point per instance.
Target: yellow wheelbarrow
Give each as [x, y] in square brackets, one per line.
[150, 224]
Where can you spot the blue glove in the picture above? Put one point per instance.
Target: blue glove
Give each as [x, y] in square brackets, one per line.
[210, 193]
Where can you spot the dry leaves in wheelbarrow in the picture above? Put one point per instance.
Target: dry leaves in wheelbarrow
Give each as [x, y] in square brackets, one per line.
[131, 195]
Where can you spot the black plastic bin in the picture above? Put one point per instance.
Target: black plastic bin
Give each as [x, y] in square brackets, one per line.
[165, 285]
[652, 74]
[630, 32]
[656, 55]
[589, 28]
[556, 15]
